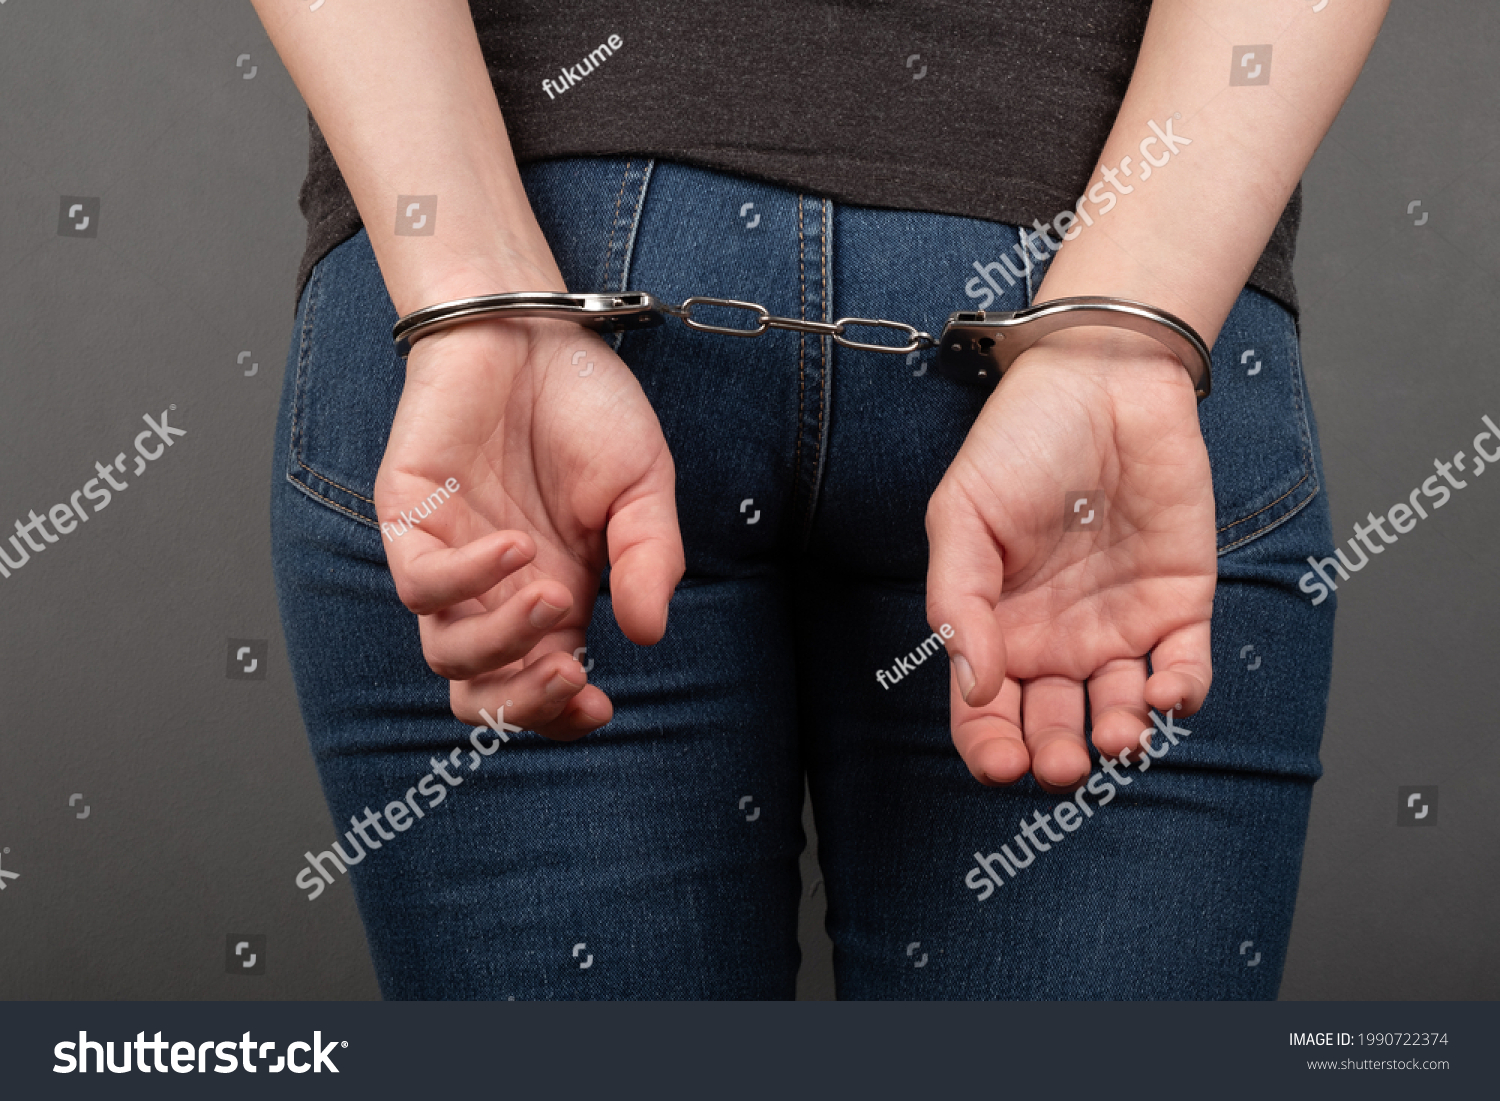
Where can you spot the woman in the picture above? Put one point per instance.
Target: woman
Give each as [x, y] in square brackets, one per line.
[541, 498]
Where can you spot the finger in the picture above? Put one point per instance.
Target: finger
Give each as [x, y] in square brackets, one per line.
[1052, 716]
[964, 576]
[989, 738]
[431, 576]
[461, 647]
[645, 554]
[1182, 665]
[1117, 702]
[531, 696]
[585, 712]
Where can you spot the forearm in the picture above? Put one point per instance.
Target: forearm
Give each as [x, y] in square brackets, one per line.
[1187, 237]
[401, 93]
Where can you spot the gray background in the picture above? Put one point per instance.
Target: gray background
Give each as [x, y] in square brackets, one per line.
[200, 788]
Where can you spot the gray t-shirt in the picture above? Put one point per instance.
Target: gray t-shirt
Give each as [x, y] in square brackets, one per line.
[995, 110]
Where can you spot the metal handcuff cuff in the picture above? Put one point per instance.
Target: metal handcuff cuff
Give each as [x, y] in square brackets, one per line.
[976, 348]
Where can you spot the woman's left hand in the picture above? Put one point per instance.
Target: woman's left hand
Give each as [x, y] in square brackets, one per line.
[1040, 601]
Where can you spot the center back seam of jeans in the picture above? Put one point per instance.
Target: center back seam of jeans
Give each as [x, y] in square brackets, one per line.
[627, 251]
[825, 348]
[635, 225]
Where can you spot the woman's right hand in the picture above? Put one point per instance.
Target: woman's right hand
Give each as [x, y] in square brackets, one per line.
[557, 456]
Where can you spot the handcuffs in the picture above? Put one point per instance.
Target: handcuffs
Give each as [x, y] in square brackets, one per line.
[976, 347]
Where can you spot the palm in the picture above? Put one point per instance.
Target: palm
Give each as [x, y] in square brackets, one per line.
[1062, 605]
[1074, 599]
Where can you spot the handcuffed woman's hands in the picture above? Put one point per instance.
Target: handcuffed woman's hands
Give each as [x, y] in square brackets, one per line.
[1038, 605]
[554, 446]
[553, 450]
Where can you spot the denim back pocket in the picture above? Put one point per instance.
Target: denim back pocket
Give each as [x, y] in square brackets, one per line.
[348, 381]
[347, 377]
[1255, 423]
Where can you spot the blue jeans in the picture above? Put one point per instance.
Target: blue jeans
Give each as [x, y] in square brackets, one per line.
[658, 857]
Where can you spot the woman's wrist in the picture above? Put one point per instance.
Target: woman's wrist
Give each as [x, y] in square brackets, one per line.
[1106, 357]
[495, 346]
[403, 97]
[505, 268]
[486, 241]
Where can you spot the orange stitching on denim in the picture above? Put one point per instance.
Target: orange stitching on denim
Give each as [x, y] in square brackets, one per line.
[1258, 532]
[336, 485]
[310, 491]
[1273, 504]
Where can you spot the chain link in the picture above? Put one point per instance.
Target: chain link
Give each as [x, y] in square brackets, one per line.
[916, 339]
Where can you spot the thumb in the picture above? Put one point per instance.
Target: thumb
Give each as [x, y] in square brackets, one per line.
[645, 553]
[965, 574]
[1182, 670]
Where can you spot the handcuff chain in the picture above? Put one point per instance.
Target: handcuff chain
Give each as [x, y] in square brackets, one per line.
[916, 339]
[977, 348]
